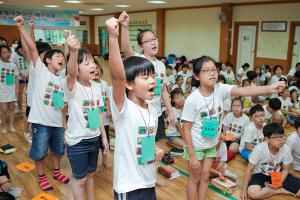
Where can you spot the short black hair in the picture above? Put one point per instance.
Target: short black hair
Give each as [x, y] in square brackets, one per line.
[255, 109]
[297, 123]
[245, 65]
[49, 55]
[185, 66]
[239, 100]
[221, 77]
[275, 104]
[141, 35]
[4, 47]
[273, 129]
[175, 92]
[178, 77]
[43, 47]
[169, 67]
[251, 75]
[135, 66]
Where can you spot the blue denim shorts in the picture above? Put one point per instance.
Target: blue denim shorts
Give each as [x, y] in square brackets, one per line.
[83, 157]
[42, 138]
[171, 138]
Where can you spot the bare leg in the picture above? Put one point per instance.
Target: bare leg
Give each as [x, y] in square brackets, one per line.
[234, 147]
[89, 186]
[177, 143]
[4, 108]
[206, 165]
[20, 96]
[78, 186]
[256, 192]
[11, 116]
[194, 182]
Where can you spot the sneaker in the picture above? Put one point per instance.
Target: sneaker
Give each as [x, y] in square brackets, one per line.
[176, 152]
[230, 175]
[168, 158]
[28, 137]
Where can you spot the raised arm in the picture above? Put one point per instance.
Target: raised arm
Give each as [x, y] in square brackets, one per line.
[125, 42]
[26, 50]
[66, 47]
[72, 66]
[31, 25]
[116, 67]
[258, 90]
[31, 45]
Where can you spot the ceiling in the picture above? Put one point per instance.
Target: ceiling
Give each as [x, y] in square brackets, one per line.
[109, 5]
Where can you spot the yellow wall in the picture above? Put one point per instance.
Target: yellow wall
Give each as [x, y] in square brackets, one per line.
[270, 44]
[193, 32]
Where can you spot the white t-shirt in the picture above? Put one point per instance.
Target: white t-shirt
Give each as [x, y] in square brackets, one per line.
[80, 101]
[275, 79]
[265, 162]
[105, 94]
[169, 80]
[197, 107]
[236, 125]
[292, 71]
[293, 142]
[42, 110]
[251, 135]
[30, 85]
[128, 174]
[5, 89]
[20, 63]
[285, 103]
[160, 73]
[172, 131]
[229, 76]
[268, 115]
[227, 105]
[222, 153]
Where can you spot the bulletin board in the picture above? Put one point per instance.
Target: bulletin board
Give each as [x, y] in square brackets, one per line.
[133, 33]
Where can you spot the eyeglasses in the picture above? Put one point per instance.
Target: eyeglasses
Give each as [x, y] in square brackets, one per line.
[149, 41]
[208, 71]
[278, 137]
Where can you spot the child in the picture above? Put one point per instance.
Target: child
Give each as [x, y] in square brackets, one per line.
[174, 133]
[179, 84]
[4, 182]
[268, 168]
[169, 79]
[253, 134]
[85, 119]
[293, 142]
[201, 116]
[134, 120]
[272, 108]
[148, 43]
[242, 72]
[287, 108]
[234, 124]
[277, 70]
[295, 100]
[45, 114]
[9, 87]
[219, 167]
[229, 75]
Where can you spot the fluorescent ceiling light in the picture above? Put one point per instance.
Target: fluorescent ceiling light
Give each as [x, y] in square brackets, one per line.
[122, 6]
[80, 12]
[73, 1]
[51, 6]
[157, 2]
[97, 9]
[1, 2]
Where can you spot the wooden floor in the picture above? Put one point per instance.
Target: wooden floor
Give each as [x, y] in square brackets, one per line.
[175, 190]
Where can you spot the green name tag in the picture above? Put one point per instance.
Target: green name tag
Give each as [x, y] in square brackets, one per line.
[148, 149]
[58, 100]
[209, 127]
[93, 119]
[229, 82]
[9, 79]
[157, 89]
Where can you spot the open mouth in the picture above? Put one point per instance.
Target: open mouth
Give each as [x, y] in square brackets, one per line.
[92, 73]
[154, 48]
[151, 90]
[60, 64]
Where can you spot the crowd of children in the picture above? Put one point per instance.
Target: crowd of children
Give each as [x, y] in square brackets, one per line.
[203, 109]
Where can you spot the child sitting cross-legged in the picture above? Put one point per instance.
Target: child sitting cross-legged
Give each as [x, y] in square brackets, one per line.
[268, 169]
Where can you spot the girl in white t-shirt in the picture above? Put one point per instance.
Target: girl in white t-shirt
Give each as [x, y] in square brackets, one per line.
[277, 70]
[233, 127]
[201, 115]
[135, 121]
[85, 122]
[9, 84]
[174, 133]
[179, 84]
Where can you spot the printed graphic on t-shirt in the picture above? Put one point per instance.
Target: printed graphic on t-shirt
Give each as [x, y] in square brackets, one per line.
[159, 81]
[4, 72]
[105, 103]
[22, 64]
[88, 105]
[50, 89]
[235, 129]
[269, 167]
[144, 133]
[256, 141]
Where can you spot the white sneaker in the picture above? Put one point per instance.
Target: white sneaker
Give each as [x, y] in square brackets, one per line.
[28, 137]
[230, 175]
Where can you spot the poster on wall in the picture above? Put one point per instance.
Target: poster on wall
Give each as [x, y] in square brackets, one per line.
[134, 29]
[43, 17]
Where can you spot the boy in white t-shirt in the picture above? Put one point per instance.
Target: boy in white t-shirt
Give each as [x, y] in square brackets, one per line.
[293, 142]
[135, 121]
[45, 114]
[253, 134]
[169, 79]
[268, 171]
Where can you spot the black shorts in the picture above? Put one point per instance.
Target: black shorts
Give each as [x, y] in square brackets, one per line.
[291, 183]
[140, 194]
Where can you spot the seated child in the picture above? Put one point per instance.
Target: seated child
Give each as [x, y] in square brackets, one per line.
[293, 142]
[233, 126]
[268, 172]
[287, 107]
[4, 182]
[253, 134]
[174, 133]
[219, 167]
[272, 109]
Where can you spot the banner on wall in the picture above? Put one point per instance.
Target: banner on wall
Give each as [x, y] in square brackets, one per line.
[43, 17]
